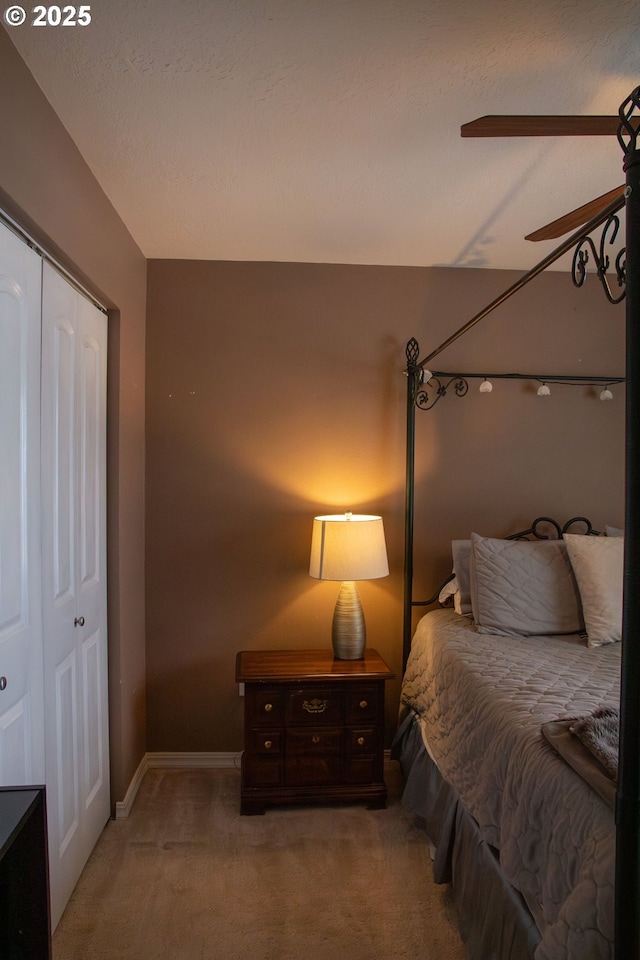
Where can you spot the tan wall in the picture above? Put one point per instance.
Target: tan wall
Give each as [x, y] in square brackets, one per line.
[275, 392]
[48, 188]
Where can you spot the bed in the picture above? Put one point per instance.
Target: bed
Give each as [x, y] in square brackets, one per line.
[541, 845]
[520, 822]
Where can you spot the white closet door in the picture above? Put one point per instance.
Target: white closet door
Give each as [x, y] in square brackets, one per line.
[74, 355]
[21, 683]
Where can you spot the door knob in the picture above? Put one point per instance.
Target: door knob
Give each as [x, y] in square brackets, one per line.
[78, 622]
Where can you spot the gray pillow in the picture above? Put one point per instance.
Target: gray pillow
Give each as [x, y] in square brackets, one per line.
[523, 587]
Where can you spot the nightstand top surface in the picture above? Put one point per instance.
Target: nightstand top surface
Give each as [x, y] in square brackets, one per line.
[262, 666]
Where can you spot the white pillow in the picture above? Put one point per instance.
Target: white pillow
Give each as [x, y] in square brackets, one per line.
[523, 588]
[598, 567]
[460, 550]
[449, 590]
[613, 531]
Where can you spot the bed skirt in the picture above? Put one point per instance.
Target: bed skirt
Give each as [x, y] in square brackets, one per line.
[494, 921]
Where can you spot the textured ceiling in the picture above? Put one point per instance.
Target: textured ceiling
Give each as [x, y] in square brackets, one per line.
[328, 130]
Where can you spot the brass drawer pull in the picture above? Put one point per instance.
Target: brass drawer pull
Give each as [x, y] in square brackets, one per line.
[315, 739]
[268, 744]
[315, 706]
[361, 741]
[363, 704]
[268, 707]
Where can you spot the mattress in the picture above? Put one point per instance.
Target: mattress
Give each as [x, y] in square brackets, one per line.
[481, 701]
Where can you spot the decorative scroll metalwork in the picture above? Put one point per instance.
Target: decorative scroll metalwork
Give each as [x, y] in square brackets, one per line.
[425, 391]
[601, 260]
[428, 387]
[627, 131]
[412, 352]
[537, 529]
[434, 390]
[628, 140]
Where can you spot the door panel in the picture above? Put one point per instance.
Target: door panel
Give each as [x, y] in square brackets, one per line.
[63, 495]
[13, 592]
[74, 607]
[91, 413]
[66, 697]
[21, 700]
[92, 574]
[15, 737]
[93, 683]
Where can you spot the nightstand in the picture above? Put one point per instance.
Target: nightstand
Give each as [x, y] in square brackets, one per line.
[313, 728]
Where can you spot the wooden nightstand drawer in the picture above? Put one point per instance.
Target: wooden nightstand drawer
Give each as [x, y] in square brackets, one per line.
[266, 705]
[267, 741]
[262, 771]
[313, 742]
[361, 770]
[363, 703]
[315, 705]
[361, 741]
[312, 771]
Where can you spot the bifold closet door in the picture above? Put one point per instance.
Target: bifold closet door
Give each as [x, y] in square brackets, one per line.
[21, 681]
[74, 368]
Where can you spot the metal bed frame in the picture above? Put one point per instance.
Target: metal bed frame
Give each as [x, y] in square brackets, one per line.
[425, 388]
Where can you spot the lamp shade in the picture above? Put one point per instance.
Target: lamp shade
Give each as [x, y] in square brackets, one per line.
[348, 547]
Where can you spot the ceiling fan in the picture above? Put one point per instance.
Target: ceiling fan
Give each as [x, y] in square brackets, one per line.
[552, 126]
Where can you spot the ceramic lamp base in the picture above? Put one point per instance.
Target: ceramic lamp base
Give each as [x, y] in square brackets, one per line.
[348, 633]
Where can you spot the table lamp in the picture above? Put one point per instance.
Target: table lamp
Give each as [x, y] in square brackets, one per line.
[348, 547]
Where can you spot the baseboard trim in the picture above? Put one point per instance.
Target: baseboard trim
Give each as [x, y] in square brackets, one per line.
[194, 760]
[123, 807]
[166, 760]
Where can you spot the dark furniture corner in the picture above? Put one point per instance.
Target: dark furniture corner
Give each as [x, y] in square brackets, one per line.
[25, 923]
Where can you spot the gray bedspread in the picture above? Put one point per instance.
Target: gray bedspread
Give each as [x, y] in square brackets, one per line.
[482, 700]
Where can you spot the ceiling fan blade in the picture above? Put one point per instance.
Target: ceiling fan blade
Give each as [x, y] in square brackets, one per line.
[575, 219]
[541, 126]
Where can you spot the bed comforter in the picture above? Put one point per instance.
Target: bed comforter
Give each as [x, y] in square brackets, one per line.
[481, 701]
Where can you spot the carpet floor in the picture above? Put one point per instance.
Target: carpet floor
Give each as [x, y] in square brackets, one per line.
[185, 877]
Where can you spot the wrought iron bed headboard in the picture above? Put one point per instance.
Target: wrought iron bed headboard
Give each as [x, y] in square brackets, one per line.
[627, 873]
[533, 531]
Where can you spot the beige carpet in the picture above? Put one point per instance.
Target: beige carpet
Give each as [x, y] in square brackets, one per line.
[187, 878]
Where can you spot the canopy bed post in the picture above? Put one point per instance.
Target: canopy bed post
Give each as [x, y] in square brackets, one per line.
[414, 374]
[627, 912]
